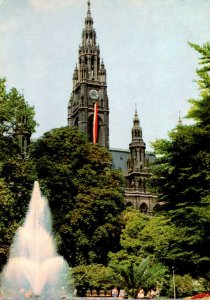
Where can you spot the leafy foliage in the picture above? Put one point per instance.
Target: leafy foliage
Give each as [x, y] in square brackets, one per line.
[94, 276]
[16, 176]
[8, 223]
[136, 271]
[182, 175]
[86, 198]
[13, 109]
[200, 110]
[144, 241]
[85, 194]
[186, 286]
[16, 118]
[145, 236]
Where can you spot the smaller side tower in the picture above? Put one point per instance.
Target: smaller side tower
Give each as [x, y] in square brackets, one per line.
[137, 188]
[23, 137]
[136, 162]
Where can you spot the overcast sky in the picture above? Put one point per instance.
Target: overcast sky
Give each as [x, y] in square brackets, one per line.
[144, 47]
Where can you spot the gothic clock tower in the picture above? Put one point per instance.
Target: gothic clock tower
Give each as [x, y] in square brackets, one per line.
[89, 88]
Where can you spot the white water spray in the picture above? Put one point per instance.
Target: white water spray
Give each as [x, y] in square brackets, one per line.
[33, 266]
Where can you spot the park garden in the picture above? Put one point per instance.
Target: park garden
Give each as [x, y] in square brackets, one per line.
[105, 243]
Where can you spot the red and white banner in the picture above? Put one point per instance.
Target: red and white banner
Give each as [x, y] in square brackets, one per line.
[95, 123]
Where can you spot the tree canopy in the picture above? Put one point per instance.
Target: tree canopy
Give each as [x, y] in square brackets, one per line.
[16, 179]
[93, 231]
[85, 194]
[144, 241]
[181, 176]
[16, 115]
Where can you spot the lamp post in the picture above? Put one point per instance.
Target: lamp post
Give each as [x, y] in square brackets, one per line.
[174, 283]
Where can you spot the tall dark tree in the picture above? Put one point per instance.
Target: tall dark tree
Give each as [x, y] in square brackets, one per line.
[85, 194]
[16, 174]
[8, 221]
[182, 175]
[16, 120]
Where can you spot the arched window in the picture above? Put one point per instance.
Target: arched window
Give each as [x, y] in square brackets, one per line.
[143, 208]
[76, 122]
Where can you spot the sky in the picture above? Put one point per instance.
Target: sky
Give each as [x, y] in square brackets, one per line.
[144, 45]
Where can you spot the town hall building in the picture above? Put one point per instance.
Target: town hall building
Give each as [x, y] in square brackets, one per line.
[88, 109]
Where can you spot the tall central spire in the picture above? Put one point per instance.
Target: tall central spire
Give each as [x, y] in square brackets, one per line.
[89, 87]
[90, 67]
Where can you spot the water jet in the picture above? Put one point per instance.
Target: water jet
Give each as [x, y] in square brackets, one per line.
[34, 267]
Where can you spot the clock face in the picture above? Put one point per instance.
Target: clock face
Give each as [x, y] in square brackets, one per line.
[93, 94]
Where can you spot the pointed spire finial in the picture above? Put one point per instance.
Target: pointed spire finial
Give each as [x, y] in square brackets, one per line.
[88, 3]
[88, 11]
[136, 117]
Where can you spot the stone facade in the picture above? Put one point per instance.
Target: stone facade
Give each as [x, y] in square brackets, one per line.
[89, 87]
[137, 192]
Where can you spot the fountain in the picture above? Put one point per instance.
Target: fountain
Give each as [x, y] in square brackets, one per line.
[34, 267]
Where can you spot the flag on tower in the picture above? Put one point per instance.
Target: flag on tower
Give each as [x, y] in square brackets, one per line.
[95, 123]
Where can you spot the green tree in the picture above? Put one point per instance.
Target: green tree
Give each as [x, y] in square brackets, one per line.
[186, 286]
[16, 118]
[8, 223]
[145, 236]
[93, 277]
[181, 176]
[13, 110]
[132, 272]
[200, 109]
[85, 194]
[145, 243]
[16, 175]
